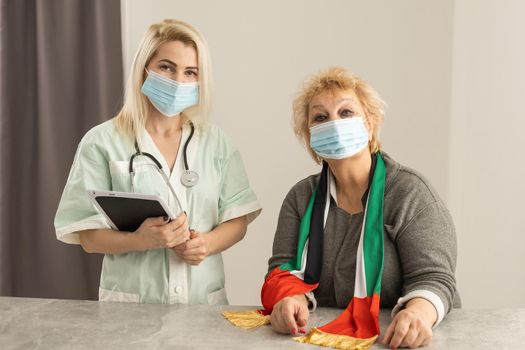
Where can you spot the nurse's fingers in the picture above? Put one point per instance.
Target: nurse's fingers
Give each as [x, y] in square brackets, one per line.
[175, 223]
[178, 237]
[198, 252]
[158, 221]
[193, 262]
[180, 247]
[175, 230]
[195, 254]
[196, 241]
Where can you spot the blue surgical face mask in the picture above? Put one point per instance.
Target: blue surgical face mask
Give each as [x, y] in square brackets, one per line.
[338, 139]
[169, 96]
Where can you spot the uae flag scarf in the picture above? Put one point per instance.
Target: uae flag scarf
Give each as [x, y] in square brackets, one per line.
[357, 327]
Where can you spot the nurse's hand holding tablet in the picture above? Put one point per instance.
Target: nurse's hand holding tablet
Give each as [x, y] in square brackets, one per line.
[162, 233]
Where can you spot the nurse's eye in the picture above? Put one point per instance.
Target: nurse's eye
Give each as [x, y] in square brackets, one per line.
[167, 68]
[346, 113]
[319, 118]
[191, 73]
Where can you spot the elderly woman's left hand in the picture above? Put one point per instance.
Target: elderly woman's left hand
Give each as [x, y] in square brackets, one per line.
[412, 326]
[194, 250]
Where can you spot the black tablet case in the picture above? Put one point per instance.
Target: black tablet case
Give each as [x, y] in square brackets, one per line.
[129, 213]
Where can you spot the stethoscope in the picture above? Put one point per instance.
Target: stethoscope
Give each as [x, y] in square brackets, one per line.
[189, 178]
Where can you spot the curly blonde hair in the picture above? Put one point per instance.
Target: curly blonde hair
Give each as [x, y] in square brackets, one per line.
[335, 80]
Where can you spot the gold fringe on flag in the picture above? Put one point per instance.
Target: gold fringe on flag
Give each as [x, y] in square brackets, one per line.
[336, 341]
[247, 319]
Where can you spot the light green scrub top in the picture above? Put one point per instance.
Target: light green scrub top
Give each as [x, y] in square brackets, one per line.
[158, 275]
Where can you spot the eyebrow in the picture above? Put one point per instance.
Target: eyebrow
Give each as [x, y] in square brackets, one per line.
[338, 101]
[175, 64]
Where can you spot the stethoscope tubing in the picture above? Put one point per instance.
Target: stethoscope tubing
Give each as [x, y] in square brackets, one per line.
[158, 165]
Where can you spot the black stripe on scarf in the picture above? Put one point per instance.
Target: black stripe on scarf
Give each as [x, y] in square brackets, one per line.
[314, 260]
[370, 177]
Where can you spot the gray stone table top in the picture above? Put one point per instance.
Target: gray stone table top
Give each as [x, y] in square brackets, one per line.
[71, 324]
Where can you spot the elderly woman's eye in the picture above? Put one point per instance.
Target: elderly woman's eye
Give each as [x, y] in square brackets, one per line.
[347, 113]
[319, 118]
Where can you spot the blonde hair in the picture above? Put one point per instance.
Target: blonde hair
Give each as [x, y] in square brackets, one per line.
[132, 117]
[334, 80]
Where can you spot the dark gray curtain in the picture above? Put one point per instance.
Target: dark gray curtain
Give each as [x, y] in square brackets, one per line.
[61, 74]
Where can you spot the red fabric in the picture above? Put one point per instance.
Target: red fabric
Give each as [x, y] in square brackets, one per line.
[280, 284]
[359, 320]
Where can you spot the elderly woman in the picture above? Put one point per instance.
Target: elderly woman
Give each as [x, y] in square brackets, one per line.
[366, 231]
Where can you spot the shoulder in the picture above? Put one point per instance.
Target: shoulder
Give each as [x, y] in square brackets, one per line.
[409, 195]
[300, 193]
[103, 140]
[101, 133]
[405, 183]
[213, 132]
[306, 185]
[214, 139]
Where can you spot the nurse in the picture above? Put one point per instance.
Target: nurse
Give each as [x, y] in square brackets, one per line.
[164, 114]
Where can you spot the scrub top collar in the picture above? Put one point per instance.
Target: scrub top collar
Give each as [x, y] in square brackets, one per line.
[148, 145]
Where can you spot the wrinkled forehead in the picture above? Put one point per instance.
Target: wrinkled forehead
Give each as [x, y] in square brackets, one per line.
[332, 97]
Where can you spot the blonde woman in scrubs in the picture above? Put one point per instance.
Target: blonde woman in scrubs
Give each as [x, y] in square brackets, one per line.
[165, 107]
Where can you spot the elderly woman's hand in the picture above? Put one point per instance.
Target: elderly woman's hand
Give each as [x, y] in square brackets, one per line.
[290, 315]
[412, 326]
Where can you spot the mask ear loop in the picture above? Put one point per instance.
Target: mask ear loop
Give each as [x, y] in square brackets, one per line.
[370, 130]
[146, 70]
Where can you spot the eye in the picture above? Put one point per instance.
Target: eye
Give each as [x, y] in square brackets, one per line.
[191, 73]
[319, 118]
[346, 113]
[167, 68]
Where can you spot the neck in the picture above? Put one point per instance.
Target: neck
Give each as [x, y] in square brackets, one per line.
[352, 175]
[158, 124]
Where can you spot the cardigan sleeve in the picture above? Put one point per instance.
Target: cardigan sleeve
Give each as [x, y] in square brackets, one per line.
[428, 251]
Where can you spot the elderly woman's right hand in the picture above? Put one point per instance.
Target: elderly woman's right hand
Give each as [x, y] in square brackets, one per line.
[161, 233]
[290, 315]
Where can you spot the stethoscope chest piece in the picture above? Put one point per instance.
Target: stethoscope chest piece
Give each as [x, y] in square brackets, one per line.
[189, 178]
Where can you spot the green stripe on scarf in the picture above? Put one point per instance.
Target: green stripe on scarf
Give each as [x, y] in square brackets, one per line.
[304, 231]
[373, 242]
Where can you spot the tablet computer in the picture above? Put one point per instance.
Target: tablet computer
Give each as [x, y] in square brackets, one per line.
[126, 211]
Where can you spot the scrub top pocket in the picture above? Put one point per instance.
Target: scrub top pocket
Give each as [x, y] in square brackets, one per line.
[120, 177]
[147, 179]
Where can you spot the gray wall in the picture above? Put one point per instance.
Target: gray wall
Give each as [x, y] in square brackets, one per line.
[406, 49]
[487, 169]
